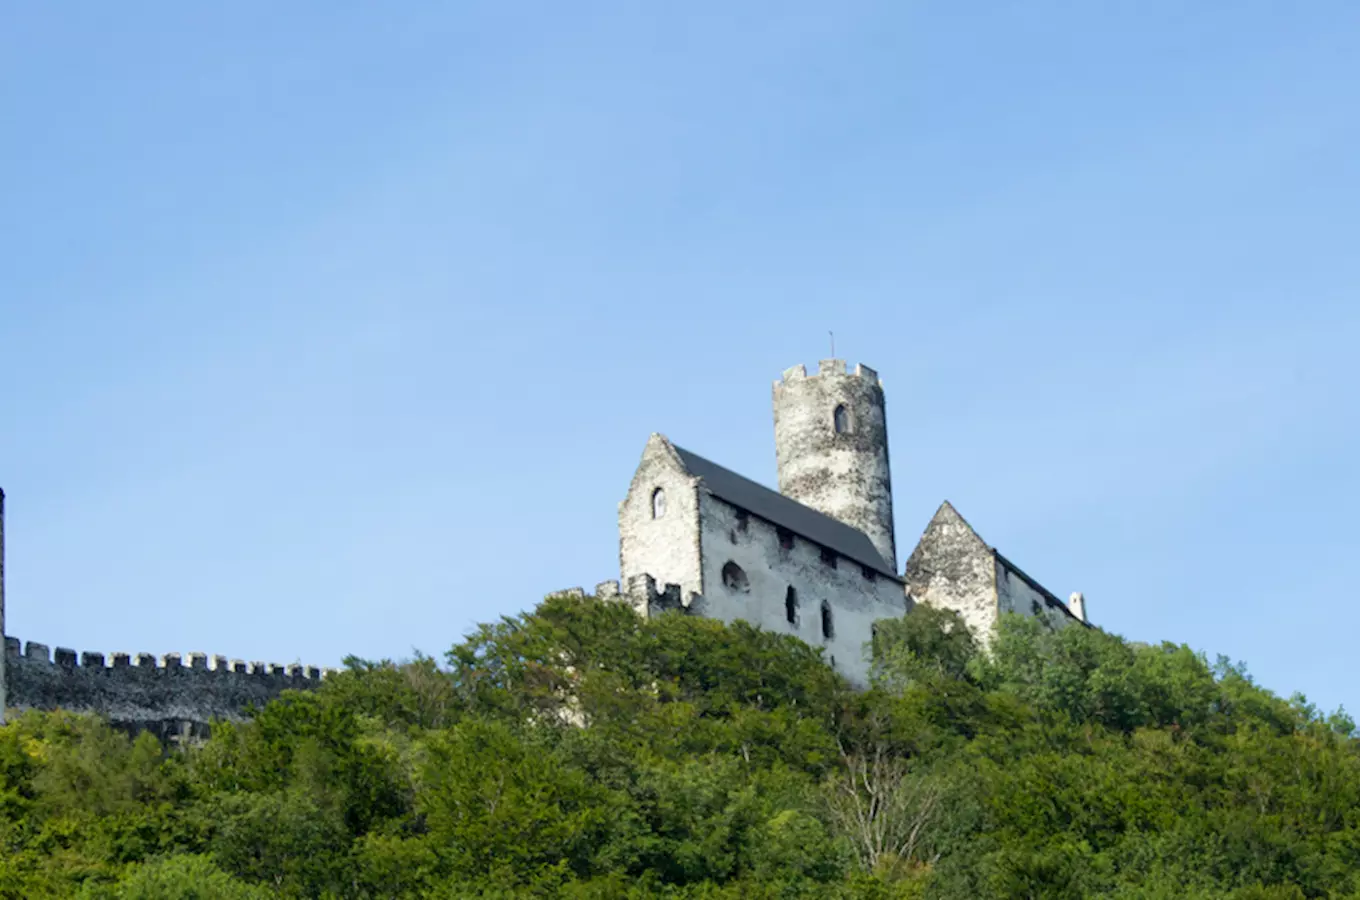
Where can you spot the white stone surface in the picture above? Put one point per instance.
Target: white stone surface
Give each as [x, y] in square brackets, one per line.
[667, 548]
[855, 601]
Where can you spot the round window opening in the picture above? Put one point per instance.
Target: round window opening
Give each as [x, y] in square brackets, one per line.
[658, 503]
[734, 578]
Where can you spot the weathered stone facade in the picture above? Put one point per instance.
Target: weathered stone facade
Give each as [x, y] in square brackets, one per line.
[952, 567]
[831, 447]
[789, 584]
[659, 521]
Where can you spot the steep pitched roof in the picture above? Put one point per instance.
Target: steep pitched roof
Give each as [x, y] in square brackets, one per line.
[774, 507]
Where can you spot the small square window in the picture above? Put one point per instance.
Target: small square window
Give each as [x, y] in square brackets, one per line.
[829, 557]
[868, 573]
[785, 539]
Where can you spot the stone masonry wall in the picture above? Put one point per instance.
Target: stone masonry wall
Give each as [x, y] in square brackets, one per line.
[952, 568]
[767, 565]
[844, 475]
[143, 692]
[665, 546]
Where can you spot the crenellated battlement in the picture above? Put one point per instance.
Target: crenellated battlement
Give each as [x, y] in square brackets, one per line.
[827, 367]
[66, 658]
[143, 690]
[649, 598]
[642, 593]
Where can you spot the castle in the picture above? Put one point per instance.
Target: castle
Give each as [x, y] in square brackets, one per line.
[817, 559]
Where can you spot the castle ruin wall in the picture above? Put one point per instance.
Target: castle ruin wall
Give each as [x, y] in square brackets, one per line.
[138, 692]
[767, 562]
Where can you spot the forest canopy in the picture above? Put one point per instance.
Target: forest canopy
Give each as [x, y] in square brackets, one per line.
[580, 751]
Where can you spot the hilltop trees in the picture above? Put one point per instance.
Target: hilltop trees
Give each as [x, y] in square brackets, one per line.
[579, 751]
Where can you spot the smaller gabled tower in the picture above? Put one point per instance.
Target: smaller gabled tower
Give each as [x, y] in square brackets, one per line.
[954, 568]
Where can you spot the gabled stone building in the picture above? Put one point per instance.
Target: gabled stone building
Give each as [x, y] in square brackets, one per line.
[738, 550]
[952, 567]
[816, 558]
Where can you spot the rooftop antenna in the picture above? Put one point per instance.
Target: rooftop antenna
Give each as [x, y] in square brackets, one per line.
[833, 343]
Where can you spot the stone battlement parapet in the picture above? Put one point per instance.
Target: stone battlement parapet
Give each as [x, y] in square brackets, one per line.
[644, 594]
[143, 689]
[827, 367]
[650, 599]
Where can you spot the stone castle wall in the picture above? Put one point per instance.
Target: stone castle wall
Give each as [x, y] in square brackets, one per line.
[787, 584]
[143, 692]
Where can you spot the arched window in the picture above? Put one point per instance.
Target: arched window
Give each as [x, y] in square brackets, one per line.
[658, 503]
[734, 578]
[840, 419]
[827, 629]
[791, 605]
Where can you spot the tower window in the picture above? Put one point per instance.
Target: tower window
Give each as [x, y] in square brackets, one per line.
[791, 605]
[785, 539]
[840, 419]
[868, 573]
[827, 629]
[829, 557]
[658, 503]
[734, 578]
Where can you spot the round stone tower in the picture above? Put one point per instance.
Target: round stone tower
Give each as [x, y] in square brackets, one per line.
[831, 444]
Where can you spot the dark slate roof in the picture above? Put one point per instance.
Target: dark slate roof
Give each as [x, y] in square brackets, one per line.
[774, 507]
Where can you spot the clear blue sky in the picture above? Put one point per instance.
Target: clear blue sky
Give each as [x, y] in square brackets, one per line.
[333, 328]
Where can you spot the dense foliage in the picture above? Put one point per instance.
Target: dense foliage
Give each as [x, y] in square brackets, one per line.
[582, 752]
